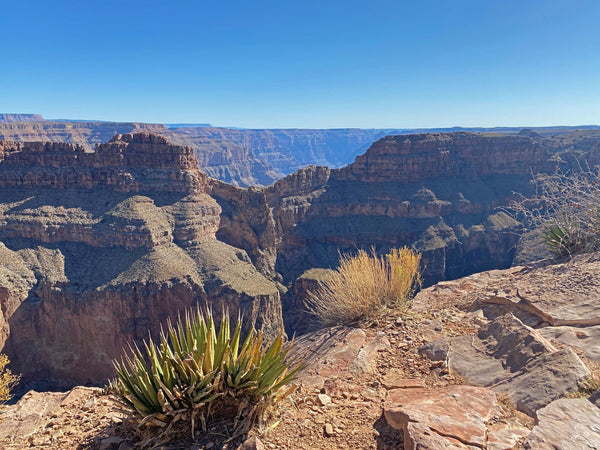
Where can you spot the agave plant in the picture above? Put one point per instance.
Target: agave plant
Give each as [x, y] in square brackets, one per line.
[555, 239]
[194, 371]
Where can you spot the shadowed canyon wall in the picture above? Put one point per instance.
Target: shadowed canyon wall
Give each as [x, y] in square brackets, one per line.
[437, 192]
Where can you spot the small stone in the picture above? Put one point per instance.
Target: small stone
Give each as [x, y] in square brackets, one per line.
[324, 399]
[329, 430]
[89, 404]
[252, 443]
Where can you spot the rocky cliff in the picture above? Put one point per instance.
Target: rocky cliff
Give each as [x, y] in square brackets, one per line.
[5, 118]
[437, 192]
[99, 248]
[236, 156]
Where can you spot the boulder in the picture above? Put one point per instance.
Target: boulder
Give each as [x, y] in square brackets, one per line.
[566, 424]
[515, 359]
[441, 418]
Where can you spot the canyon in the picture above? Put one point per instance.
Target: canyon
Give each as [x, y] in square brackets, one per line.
[236, 156]
[259, 157]
[100, 247]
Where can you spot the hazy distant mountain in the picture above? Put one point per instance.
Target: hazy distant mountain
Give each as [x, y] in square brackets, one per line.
[247, 157]
[5, 118]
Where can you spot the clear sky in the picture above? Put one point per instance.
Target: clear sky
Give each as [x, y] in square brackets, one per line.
[304, 63]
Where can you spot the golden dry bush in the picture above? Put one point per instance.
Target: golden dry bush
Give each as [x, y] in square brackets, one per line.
[364, 285]
[404, 265]
[8, 380]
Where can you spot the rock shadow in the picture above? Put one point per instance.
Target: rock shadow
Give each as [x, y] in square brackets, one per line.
[388, 438]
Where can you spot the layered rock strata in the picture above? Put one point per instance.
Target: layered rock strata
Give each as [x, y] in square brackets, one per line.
[437, 192]
[99, 248]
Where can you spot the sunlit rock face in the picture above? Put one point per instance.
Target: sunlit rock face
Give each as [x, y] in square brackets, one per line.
[99, 248]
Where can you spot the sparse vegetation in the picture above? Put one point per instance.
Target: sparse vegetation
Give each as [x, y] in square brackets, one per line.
[364, 285]
[565, 210]
[196, 376]
[8, 380]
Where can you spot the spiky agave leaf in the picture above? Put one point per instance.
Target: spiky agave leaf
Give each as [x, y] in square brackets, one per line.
[193, 366]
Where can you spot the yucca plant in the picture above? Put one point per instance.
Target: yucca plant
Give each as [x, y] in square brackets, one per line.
[194, 372]
[565, 210]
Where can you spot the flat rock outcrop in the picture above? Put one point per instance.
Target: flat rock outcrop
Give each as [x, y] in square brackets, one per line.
[99, 248]
[532, 364]
[454, 417]
[566, 424]
[514, 359]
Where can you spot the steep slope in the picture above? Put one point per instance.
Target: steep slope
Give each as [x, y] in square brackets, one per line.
[437, 192]
[97, 249]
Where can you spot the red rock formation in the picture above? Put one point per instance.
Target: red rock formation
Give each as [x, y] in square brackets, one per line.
[97, 249]
[438, 192]
[410, 158]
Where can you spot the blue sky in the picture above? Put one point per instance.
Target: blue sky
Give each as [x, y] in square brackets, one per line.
[305, 64]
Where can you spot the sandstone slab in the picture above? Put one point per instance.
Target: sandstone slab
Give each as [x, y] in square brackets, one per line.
[454, 415]
[337, 351]
[499, 349]
[543, 380]
[395, 379]
[584, 338]
[566, 424]
[30, 413]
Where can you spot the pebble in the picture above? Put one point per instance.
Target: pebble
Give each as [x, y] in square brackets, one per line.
[324, 399]
[329, 430]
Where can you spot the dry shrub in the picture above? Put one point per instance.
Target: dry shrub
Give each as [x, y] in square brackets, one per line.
[8, 380]
[364, 285]
[565, 210]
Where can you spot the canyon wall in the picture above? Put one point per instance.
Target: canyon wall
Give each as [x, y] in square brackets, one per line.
[235, 156]
[437, 192]
[98, 249]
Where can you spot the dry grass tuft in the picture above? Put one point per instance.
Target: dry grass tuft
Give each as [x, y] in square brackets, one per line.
[364, 285]
[8, 380]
